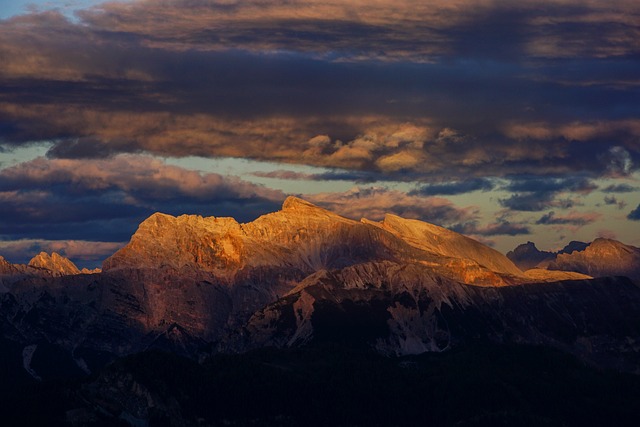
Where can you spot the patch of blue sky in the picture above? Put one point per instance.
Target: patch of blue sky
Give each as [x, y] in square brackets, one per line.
[12, 156]
[9, 8]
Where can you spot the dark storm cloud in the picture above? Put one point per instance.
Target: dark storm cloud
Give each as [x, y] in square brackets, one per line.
[572, 218]
[88, 148]
[334, 175]
[391, 30]
[551, 184]
[613, 200]
[452, 188]
[528, 202]
[619, 188]
[525, 88]
[634, 215]
[105, 200]
[532, 193]
[500, 228]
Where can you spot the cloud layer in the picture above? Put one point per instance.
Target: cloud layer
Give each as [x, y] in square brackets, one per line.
[105, 200]
[467, 88]
[533, 104]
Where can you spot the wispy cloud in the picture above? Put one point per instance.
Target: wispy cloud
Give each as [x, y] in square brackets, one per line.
[572, 218]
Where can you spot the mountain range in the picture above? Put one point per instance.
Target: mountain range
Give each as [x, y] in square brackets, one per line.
[600, 258]
[305, 277]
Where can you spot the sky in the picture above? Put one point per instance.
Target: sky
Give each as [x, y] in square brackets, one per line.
[506, 121]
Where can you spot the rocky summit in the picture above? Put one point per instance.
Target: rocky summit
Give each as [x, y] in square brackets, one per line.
[301, 276]
[600, 258]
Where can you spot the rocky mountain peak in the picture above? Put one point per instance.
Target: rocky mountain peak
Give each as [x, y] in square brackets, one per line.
[574, 246]
[602, 243]
[600, 258]
[527, 256]
[296, 203]
[6, 267]
[444, 242]
[55, 263]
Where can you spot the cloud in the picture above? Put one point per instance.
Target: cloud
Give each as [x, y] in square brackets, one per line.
[105, 200]
[456, 187]
[374, 202]
[551, 184]
[390, 30]
[333, 175]
[619, 188]
[532, 193]
[89, 148]
[612, 200]
[451, 96]
[379, 85]
[573, 131]
[634, 215]
[572, 218]
[499, 228]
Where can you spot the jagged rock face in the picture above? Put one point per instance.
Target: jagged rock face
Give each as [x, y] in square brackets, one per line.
[6, 268]
[603, 257]
[400, 309]
[55, 263]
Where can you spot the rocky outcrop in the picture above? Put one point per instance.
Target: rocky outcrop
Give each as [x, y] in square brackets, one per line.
[54, 263]
[7, 268]
[603, 257]
[600, 258]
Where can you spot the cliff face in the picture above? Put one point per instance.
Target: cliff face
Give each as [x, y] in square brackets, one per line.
[55, 263]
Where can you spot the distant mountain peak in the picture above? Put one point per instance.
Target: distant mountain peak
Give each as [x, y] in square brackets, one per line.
[574, 246]
[602, 257]
[55, 263]
[295, 203]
